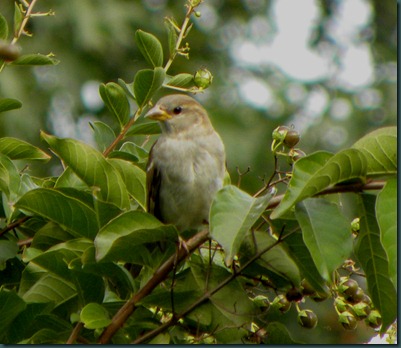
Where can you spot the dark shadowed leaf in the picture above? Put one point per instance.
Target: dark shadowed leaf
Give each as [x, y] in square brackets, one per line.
[7, 104]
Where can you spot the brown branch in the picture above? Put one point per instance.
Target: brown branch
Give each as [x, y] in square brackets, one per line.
[15, 224]
[357, 187]
[206, 295]
[129, 307]
[75, 333]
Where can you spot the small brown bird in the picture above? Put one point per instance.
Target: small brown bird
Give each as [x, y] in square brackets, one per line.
[186, 164]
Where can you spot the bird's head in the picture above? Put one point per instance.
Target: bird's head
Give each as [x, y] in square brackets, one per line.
[180, 114]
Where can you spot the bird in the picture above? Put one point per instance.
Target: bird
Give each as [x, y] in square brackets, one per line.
[186, 165]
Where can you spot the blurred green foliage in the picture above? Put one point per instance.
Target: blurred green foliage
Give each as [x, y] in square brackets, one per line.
[95, 43]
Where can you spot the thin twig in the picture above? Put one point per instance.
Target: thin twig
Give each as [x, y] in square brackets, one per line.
[75, 332]
[14, 225]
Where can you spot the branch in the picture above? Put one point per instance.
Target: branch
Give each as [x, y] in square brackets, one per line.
[15, 224]
[207, 294]
[129, 307]
[357, 187]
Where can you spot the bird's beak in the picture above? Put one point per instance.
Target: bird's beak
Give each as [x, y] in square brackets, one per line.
[156, 113]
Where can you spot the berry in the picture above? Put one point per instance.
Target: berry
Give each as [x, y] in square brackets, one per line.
[281, 303]
[307, 319]
[291, 138]
[294, 295]
[347, 320]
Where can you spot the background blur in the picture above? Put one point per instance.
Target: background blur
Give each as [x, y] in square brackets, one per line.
[327, 67]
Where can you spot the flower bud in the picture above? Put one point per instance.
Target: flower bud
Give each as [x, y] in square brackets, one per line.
[203, 78]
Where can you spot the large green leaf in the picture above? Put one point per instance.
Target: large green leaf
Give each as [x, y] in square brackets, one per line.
[150, 48]
[17, 149]
[146, 83]
[326, 233]
[386, 213]
[116, 101]
[134, 178]
[69, 212]
[50, 288]
[10, 306]
[7, 104]
[318, 171]
[231, 300]
[275, 262]
[232, 214]
[301, 255]
[372, 256]
[10, 181]
[103, 134]
[277, 333]
[115, 241]
[91, 166]
[8, 250]
[380, 150]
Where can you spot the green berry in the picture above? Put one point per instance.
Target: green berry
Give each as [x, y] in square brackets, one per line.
[307, 319]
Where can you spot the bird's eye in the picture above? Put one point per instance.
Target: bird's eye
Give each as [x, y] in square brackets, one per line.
[177, 110]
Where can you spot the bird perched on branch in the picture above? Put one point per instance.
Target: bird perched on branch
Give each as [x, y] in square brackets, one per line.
[186, 164]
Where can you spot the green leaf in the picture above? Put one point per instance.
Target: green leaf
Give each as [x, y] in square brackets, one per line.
[139, 152]
[91, 166]
[116, 101]
[134, 178]
[326, 233]
[275, 262]
[277, 333]
[303, 259]
[50, 288]
[232, 214]
[172, 37]
[380, 150]
[231, 300]
[17, 149]
[373, 258]
[150, 48]
[7, 104]
[148, 128]
[103, 134]
[69, 179]
[8, 250]
[18, 16]
[146, 83]
[318, 171]
[70, 213]
[35, 59]
[10, 181]
[94, 316]
[10, 306]
[386, 214]
[3, 28]
[181, 80]
[116, 239]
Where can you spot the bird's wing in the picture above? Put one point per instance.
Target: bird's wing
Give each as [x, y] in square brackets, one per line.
[153, 182]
